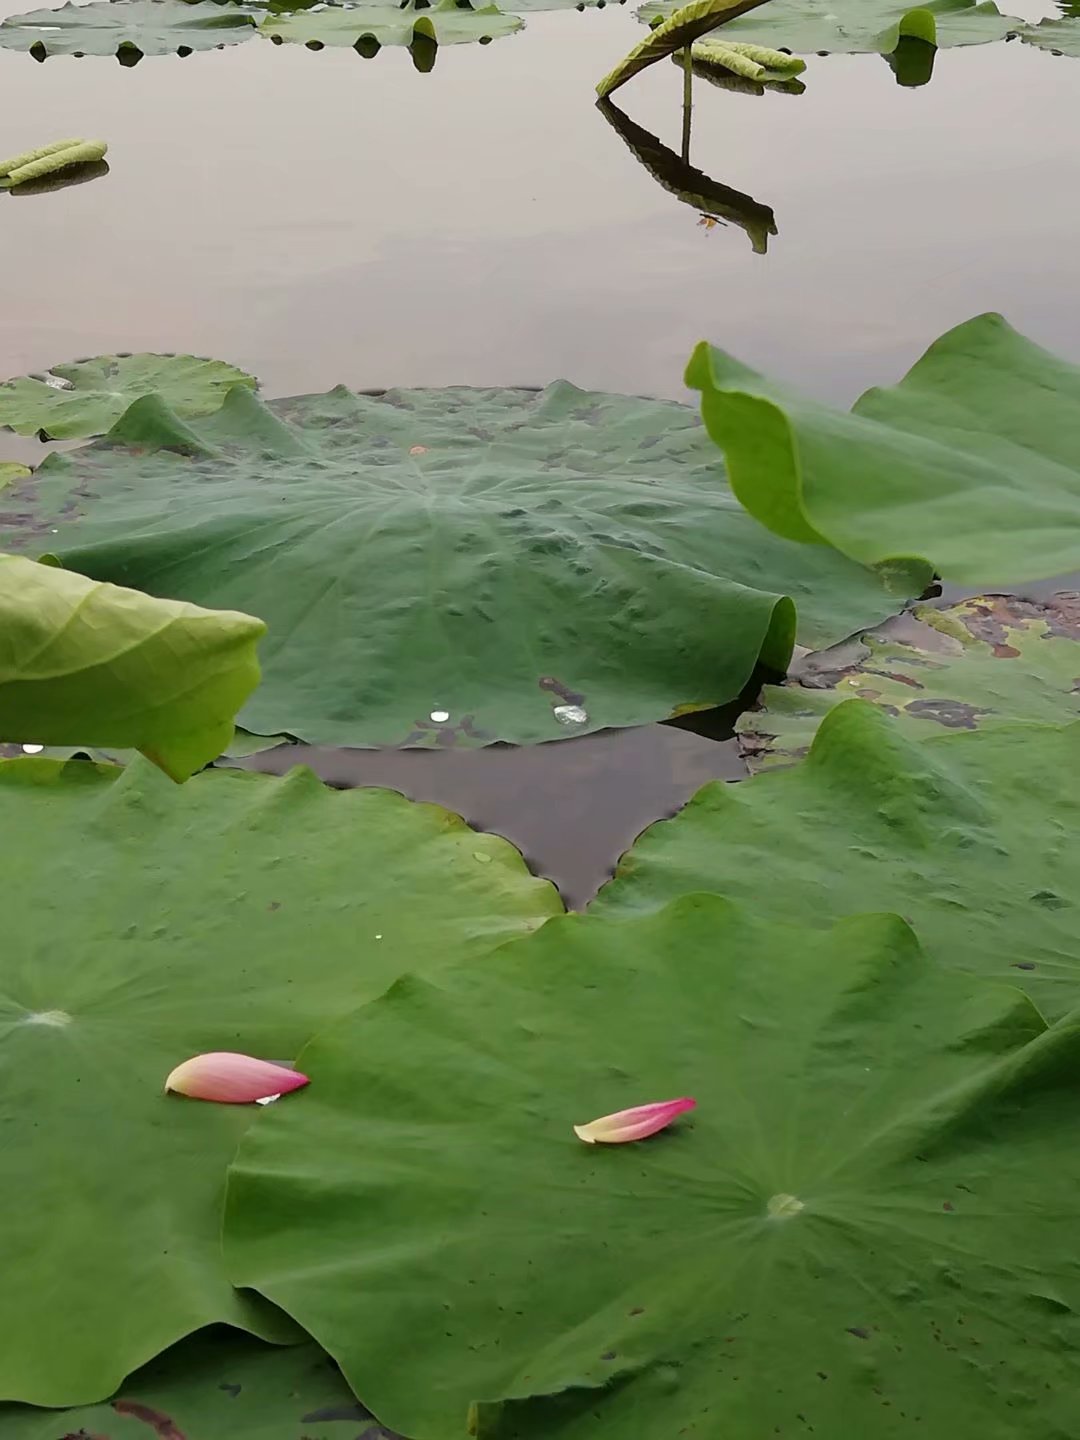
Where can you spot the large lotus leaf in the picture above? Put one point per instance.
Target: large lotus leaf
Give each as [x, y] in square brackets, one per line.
[853, 26]
[523, 565]
[972, 461]
[693, 187]
[968, 835]
[119, 27]
[217, 1385]
[985, 662]
[682, 25]
[83, 662]
[144, 924]
[1061, 37]
[447, 23]
[88, 396]
[871, 1206]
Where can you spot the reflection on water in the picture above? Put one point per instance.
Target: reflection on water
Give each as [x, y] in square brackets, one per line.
[707, 197]
[912, 62]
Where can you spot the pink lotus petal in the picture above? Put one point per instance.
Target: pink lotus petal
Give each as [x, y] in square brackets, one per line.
[635, 1124]
[232, 1079]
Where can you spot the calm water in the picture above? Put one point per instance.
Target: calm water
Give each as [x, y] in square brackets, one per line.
[316, 218]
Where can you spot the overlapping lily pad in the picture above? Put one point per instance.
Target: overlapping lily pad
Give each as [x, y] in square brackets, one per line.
[1060, 37]
[985, 662]
[217, 1385]
[525, 565]
[972, 461]
[88, 396]
[446, 23]
[854, 26]
[868, 1209]
[127, 28]
[91, 664]
[145, 923]
[968, 835]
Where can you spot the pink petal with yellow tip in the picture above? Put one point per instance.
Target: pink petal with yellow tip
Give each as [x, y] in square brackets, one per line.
[635, 1124]
[232, 1079]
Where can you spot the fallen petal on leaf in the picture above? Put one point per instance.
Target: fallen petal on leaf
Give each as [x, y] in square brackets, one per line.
[232, 1079]
[635, 1124]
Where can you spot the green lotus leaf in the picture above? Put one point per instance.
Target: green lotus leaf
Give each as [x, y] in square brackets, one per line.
[130, 28]
[858, 26]
[1061, 37]
[524, 565]
[966, 834]
[11, 470]
[88, 396]
[866, 1209]
[681, 26]
[447, 23]
[693, 187]
[144, 924]
[773, 67]
[972, 461]
[724, 79]
[217, 1385]
[985, 662]
[90, 663]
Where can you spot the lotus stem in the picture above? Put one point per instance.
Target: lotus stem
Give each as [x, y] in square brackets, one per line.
[687, 100]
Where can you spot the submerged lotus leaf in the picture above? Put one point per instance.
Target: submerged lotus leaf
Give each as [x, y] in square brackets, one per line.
[217, 1385]
[968, 835]
[705, 196]
[88, 396]
[972, 461]
[119, 27]
[447, 23]
[90, 663]
[985, 662]
[144, 924]
[1061, 37]
[871, 1203]
[859, 26]
[524, 565]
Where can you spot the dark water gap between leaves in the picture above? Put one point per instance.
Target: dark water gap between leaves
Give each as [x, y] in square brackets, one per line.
[572, 807]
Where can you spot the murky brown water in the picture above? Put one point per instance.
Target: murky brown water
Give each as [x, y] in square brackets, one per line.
[317, 218]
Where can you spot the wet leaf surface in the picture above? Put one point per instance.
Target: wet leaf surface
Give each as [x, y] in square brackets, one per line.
[88, 396]
[988, 661]
[146, 923]
[450, 567]
[967, 834]
[217, 1385]
[862, 1228]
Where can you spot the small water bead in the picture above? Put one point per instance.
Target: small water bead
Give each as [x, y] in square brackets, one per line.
[783, 1207]
[570, 715]
[440, 716]
[33, 749]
